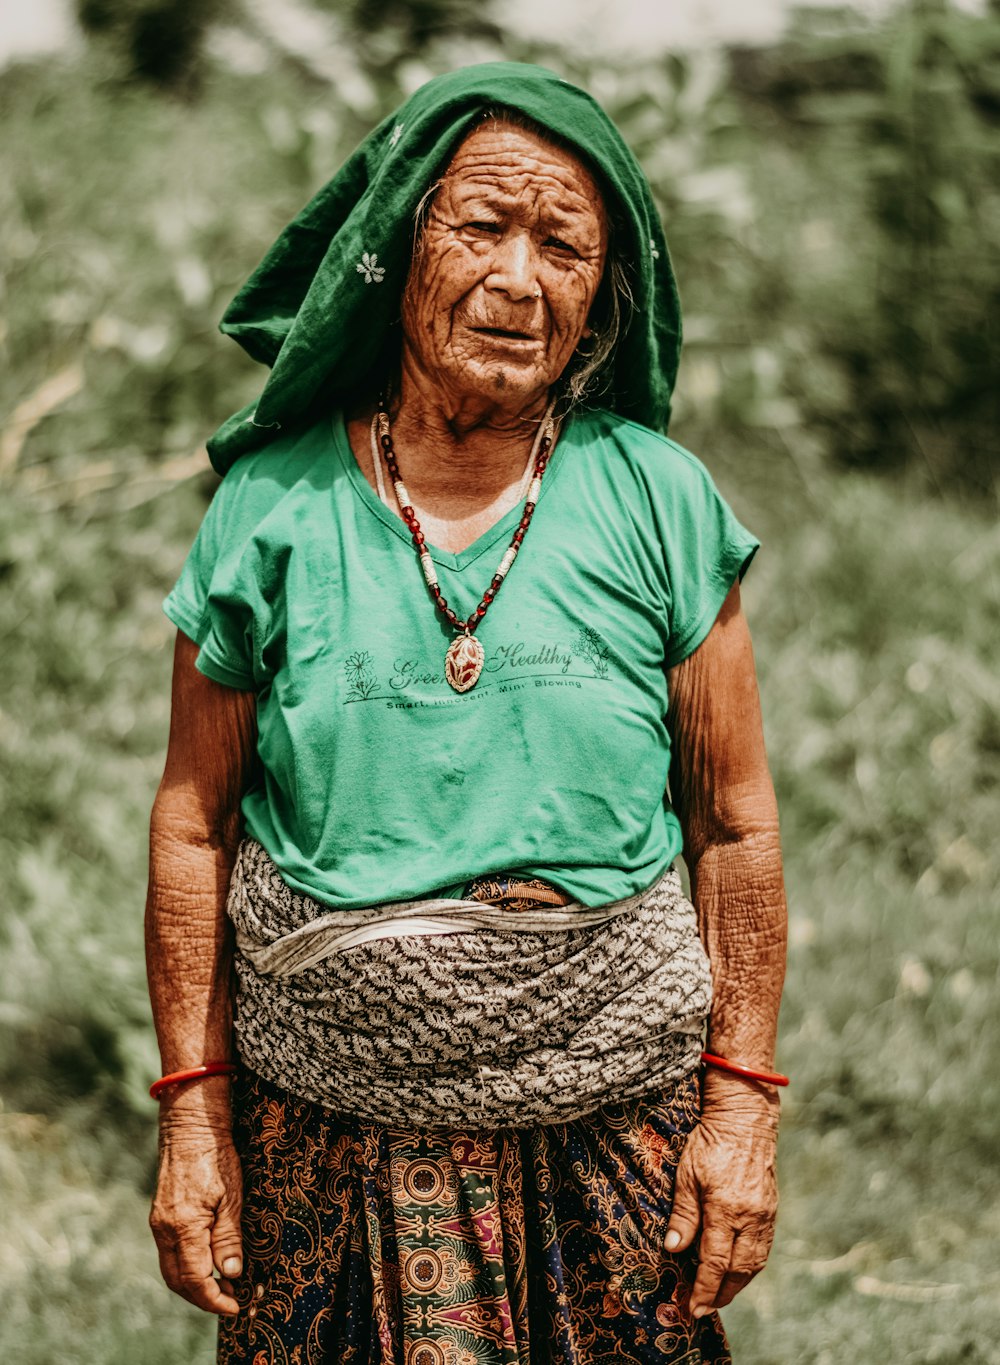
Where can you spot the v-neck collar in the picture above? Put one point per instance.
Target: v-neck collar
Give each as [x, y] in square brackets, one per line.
[505, 526]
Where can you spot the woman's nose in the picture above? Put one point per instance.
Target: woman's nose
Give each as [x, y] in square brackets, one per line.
[514, 268]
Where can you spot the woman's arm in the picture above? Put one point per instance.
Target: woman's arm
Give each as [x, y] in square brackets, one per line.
[722, 791]
[194, 835]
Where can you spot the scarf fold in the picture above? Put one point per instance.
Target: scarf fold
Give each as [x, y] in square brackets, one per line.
[319, 308]
[502, 1018]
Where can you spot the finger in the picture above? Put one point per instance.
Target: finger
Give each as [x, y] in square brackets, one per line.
[227, 1239]
[196, 1278]
[751, 1249]
[685, 1214]
[168, 1266]
[750, 1252]
[171, 1272]
[731, 1285]
[748, 1258]
[715, 1255]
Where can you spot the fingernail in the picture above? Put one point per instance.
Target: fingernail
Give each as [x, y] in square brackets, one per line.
[673, 1240]
[231, 1266]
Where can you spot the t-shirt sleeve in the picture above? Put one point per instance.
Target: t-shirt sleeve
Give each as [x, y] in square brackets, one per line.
[216, 600]
[708, 549]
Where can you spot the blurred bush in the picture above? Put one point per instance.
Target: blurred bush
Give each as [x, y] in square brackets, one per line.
[160, 41]
[892, 257]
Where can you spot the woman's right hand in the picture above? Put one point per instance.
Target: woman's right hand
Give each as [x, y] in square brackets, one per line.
[196, 1211]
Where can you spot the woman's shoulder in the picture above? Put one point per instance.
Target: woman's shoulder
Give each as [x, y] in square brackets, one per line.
[288, 470]
[622, 446]
[285, 460]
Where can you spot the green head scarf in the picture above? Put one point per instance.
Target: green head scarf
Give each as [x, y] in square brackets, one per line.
[319, 307]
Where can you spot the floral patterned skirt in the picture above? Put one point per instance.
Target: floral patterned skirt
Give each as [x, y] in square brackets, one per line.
[534, 1246]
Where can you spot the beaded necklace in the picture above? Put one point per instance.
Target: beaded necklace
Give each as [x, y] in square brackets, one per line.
[465, 656]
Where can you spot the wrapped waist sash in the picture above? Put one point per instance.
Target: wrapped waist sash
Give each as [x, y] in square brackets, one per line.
[458, 1013]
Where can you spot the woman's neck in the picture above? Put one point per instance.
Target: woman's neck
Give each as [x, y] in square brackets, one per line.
[460, 445]
[462, 478]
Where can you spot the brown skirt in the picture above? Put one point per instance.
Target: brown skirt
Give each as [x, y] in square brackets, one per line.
[508, 1246]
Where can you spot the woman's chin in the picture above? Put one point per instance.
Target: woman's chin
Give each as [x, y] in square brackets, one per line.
[501, 383]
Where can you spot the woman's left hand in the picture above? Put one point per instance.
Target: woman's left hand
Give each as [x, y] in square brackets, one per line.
[726, 1188]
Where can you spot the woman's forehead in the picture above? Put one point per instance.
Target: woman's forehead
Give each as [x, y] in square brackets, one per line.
[502, 155]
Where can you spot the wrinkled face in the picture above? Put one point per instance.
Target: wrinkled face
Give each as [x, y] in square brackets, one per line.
[507, 268]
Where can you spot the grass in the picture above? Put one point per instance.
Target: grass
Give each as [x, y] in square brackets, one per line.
[874, 611]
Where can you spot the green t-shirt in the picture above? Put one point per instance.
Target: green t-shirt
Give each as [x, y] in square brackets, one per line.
[377, 781]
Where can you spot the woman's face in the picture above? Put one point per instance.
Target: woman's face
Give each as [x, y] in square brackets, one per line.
[508, 265]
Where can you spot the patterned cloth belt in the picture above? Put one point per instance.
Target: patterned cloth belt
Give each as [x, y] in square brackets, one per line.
[459, 1013]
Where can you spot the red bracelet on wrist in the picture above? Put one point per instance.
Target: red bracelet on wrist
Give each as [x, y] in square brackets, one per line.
[748, 1073]
[194, 1073]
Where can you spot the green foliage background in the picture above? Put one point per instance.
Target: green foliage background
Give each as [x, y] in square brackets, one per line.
[832, 207]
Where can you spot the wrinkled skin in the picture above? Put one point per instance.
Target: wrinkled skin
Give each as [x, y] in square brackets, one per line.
[515, 240]
[509, 264]
[194, 834]
[722, 791]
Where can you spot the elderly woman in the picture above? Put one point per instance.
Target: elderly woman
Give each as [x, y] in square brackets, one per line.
[431, 1002]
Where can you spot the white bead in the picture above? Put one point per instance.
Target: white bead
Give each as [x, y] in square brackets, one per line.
[427, 564]
[507, 561]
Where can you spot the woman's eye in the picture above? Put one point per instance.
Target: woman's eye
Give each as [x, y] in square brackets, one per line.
[484, 227]
[559, 245]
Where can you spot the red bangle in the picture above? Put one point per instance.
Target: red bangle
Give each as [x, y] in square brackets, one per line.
[747, 1072]
[194, 1073]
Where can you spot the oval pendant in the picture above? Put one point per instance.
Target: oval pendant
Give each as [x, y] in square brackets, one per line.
[464, 662]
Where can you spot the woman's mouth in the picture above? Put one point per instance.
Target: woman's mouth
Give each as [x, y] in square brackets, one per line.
[504, 334]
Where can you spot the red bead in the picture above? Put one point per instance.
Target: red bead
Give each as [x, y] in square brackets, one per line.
[480, 612]
[386, 442]
[488, 595]
[418, 537]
